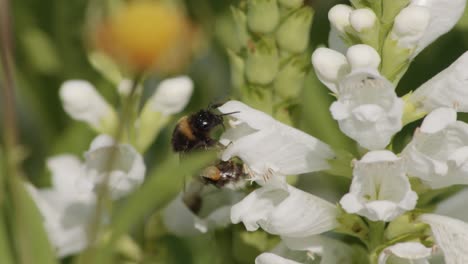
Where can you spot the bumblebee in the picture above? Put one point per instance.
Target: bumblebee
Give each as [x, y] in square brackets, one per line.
[231, 174]
[192, 132]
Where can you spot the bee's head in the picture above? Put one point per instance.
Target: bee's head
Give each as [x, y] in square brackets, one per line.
[206, 120]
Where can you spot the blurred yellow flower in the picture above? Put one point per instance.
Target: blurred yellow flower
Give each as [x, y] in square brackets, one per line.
[146, 35]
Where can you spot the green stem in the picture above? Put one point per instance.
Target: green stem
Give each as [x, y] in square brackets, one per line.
[103, 203]
[376, 238]
[10, 133]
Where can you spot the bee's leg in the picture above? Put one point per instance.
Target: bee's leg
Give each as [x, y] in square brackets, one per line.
[248, 172]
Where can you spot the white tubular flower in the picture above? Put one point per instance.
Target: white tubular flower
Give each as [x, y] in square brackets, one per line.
[451, 236]
[288, 212]
[412, 252]
[410, 25]
[367, 108]
[126, 171]
[362, 19]
[214, 212]
[449, 88]
[339, 17]
[438, 153]
[269, 147]
[303, 250]
[82, 102]
[65, 211]
[172, 95]
[330, 250]
[443, 17]
[380, 189]
[270, 258]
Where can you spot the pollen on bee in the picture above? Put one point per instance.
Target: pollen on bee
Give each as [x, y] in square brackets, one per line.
[211, 173]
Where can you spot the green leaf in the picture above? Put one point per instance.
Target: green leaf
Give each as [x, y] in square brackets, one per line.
[31, 241]
[163, 184]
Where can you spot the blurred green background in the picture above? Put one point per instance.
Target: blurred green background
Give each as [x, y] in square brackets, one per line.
[50, 48]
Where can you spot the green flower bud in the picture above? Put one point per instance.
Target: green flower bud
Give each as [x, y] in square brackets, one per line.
[293, 33]
[405, 225]
[290, 79]
[262, 62]
[237, 69]
[365, 25]
[262, 15]
[291, 3]
[352, 224]
[240, 20]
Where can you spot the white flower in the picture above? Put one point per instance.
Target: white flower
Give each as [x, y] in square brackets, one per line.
[449, 88]
[414, 252]
[362, 19]
[438, 153]
[302, 250]
[410, 25]
[270, 258]
[269, 147]
[451, 236]
[367, 108]
[339, 17]
[214, 212]
[443, 17]
[380, 189]
[172, 95]
[66, 212]
[287, 212]
[82, 102]
[126, 170]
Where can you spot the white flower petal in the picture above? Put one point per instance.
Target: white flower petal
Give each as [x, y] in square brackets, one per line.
[179, 220]
[270, 258]
[362, 19]
[172, 95]
[331, 251]
[438, 120]
[380, 189]
[410, 25]
[339, 17]
[451, 235]
[289, 212]
[270, 147]
[363, 56]
[446, 89]
[82, 102]
[372, 111]
[444, 16]
[257, 206]
[438, 153]
[126, 173]
[330, 66]
[66, 216]
[214, 212]
[410, 251]
[65, 169]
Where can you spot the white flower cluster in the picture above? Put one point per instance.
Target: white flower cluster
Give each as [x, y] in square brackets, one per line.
[369, 111]
[69, 205]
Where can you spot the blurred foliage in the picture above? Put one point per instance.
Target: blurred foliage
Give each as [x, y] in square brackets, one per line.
[51, 48]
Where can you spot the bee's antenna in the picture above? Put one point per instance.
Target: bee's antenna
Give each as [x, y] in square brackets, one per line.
[230, 113]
